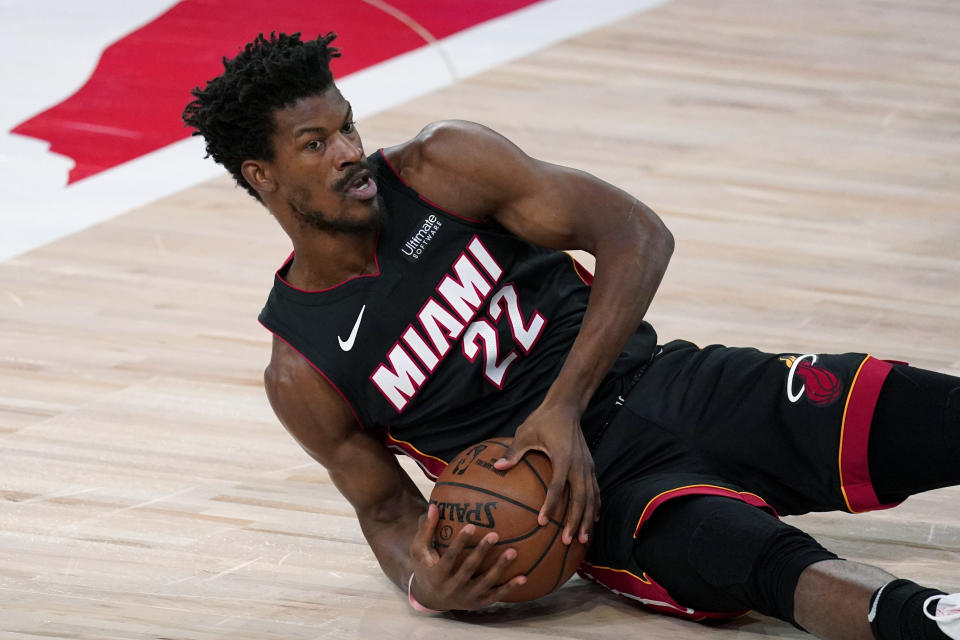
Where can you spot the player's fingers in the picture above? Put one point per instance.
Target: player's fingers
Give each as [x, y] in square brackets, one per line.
[501, 592]
[592, 516]
[450, 559]
[471, 561]
[587, 518]
[422, 543]
[492, 576]
[577, 505]
[552, 501]
[513, 454]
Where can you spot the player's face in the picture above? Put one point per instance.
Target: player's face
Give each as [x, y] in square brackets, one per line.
[320, 168]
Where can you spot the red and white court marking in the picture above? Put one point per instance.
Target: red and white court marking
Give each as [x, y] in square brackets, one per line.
[93, 91]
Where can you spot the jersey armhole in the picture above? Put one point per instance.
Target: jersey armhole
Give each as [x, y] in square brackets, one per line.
[333, 385]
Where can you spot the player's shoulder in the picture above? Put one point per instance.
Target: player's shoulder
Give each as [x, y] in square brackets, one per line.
[461, 166]
[438, 136]
[300, 395]
[443, 144]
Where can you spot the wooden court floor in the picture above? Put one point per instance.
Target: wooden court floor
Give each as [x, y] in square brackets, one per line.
[805, 155]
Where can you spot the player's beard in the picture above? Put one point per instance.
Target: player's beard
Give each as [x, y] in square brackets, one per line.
[350, 224]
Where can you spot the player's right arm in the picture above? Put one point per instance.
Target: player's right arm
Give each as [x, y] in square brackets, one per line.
[393, 514]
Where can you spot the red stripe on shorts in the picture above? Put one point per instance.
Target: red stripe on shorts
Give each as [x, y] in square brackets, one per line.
[855, 483]
[700, 490]
[646, 591]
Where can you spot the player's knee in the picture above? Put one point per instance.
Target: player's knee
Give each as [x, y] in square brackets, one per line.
[751, 555]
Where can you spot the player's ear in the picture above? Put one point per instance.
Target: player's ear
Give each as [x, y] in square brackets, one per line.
[258, 175]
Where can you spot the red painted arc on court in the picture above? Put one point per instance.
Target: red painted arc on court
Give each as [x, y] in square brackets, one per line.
[132, 102]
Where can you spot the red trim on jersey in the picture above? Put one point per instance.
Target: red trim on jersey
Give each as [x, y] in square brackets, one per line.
[855, 481]
[317, 369]
[419, 195]
[700, 490]
[582, 271]
[646, 591]
[289, 259]
[432, 467]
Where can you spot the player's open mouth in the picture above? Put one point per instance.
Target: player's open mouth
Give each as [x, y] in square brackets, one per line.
[362, 187]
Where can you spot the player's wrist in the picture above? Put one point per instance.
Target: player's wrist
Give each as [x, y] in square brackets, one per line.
[567, 400]
[414, 603]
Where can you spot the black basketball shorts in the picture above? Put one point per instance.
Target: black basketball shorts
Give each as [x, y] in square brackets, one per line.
[784, 432]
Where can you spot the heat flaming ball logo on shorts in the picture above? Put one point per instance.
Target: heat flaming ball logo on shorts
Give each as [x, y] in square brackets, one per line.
[818, 385]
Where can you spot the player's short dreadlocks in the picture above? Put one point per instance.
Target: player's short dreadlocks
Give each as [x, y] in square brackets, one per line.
[234, 113]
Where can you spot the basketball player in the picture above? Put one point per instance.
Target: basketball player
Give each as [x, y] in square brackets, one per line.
[426, 307]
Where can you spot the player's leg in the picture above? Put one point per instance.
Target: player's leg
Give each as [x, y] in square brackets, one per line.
[915, 436]
[896, 608]
[717, 406]
[914, 446]
[832, 598]
[778, 424]
[720, 554]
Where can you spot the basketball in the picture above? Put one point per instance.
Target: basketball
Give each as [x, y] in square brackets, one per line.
[471, 491]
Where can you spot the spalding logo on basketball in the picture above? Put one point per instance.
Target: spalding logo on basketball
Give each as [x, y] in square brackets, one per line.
[471, 491]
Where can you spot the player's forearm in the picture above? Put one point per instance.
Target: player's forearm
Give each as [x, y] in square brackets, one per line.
[629, 267]
[390, 538]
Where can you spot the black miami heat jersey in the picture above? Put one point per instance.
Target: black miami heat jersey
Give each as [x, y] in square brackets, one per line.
[454, 339]
[463, 327]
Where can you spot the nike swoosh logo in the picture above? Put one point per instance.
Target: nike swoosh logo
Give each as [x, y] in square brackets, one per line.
[347, 344]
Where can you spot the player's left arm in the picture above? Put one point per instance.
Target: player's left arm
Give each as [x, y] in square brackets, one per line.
[477, 173]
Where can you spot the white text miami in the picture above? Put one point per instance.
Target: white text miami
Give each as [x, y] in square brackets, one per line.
[464, 289]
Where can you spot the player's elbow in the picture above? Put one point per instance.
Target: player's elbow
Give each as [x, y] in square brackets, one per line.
[652, 235]
[642, 234]
[665, 240]
[660, 248]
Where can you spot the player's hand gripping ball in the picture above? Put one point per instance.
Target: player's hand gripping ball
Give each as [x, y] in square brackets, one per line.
[471, 491]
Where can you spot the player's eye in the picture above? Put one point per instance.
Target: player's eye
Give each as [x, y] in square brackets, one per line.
[348, 127]
[315, 145]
